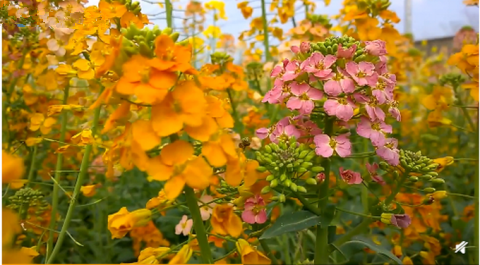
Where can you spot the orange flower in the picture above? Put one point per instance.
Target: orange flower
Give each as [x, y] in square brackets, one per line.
[178, 166]
[186, 104]
[225, 222]
[172, 57]
[123, 221]
[147, 83]
[12, 167]
[251, 255]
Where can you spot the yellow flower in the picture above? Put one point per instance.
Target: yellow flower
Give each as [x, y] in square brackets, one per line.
[183, 256]
[438, 195]
[246, 10]
[225, 222]
[38, 121]
[218, 6]
[149, 255]
[89, 190]
[212, 32]
[12, 167]
[443, 162]
[84, 69]
[30, 252]
[123, 221]
[83, 138]
[250, 255]
[407, 261]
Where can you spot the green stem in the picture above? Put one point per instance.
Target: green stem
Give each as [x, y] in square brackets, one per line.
[268, 56]
[31, 170]
[307, 204]
[268, 252]
[238, 124]
[359, 214]
[76, 190]
[322, 252]
[464, 110]
[397, 189]
[58, 168]
[169, 11]
[198, 224]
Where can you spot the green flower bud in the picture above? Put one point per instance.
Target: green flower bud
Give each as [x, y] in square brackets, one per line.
[266, 189]
[429, 190]
[270, 178]
[317, 169]
[174, 36]
[275, 147]
[261, 169]
[274, 198]
[303, 154]
[306, 164]
[302, 170]
[301, 189]
[413, 179]
[167, 31]
[386, 218]
[360, 58]
[383, 165]
[287, 183]
[274, 183]
[294, 187]
[310, 156]
[311, 181]
[426, 177]
[283, 177]
[281, 198]
[433, 174]
[438, 181]
[289, 165]
[268, 149]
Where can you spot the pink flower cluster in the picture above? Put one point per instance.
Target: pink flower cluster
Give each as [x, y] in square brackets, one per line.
[341, 85]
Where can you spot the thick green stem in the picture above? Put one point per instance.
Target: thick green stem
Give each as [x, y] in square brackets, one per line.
[322, 251]
[169, 11]
[76, 191]
[198, 225]
[58, 169]
[268, 56]
[31, 170]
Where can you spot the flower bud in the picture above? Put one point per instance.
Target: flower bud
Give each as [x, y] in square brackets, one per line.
[261, 169]
[283, 177]
[287, 183]
[429, 190]
[274, 183]
[270, 178]
[141, 217]
[303, 154]
[281, 198]
[268, 148]
[311, 181]
[266, 189]
[317, 169]
[294, 187]
[301, 189]
[174, 36]
[413, 179]
[438, 181]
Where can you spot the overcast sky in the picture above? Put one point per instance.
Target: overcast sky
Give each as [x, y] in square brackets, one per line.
[430, 18]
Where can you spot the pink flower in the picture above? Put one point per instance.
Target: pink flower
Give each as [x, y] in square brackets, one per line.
[350, 177]
[303, 97]
[319, 65]
[346, 53]
[363, 73]
[375, 48]
[381, 66]
[401, 220]
[255, 210]
[375, 131]
[292, 71]
[206, 207]
[283, 128]
[394, 111]
[326, 145]
[263, 133]
[308, 129]
[184, 226]
[304, 48]
[339, 83]
[383, 90]
[374, 111]
[340, 107]
[320, 177]
[389, 151]
[279, 70]
[372, 170]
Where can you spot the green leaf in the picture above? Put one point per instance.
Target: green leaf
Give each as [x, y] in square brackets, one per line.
[362, 242]
[291, 222]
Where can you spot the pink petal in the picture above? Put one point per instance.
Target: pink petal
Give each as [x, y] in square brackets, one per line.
[315, 94]
[248, 217]
[344, 112]
[352, 68]
[299, 89]
[347, 85]
[332, 88]
[261, 217]
[294, 103]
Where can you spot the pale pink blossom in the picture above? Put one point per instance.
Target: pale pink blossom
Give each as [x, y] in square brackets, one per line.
[292, 71]
[376, 47]
[394, 111]
[319, 65]
[375, 131]
[372, 170]
[279, 70]
[363, 73]
[303, 97]
[350, 177]
[206, 207]
[374, 111]
[284, 129]
[254, 210]
[383, 90]
[184, 226]
[346, 53]
[339, 83]
[325, 146]
[340, 107]
[389, 151]
[304, 48]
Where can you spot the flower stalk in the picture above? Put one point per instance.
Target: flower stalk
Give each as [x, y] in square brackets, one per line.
[76, 191]
[198, 224]
[322, 251]
[58, 169]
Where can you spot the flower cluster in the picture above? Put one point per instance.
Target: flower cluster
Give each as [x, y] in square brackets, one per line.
[340, 78]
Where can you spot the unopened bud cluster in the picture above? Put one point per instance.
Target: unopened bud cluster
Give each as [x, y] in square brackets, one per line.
[254, 71]
[220, 58]
[420, 164]
[287, 161]
[30, 198]
[142, 40]
[330, 46]
[452, 79]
